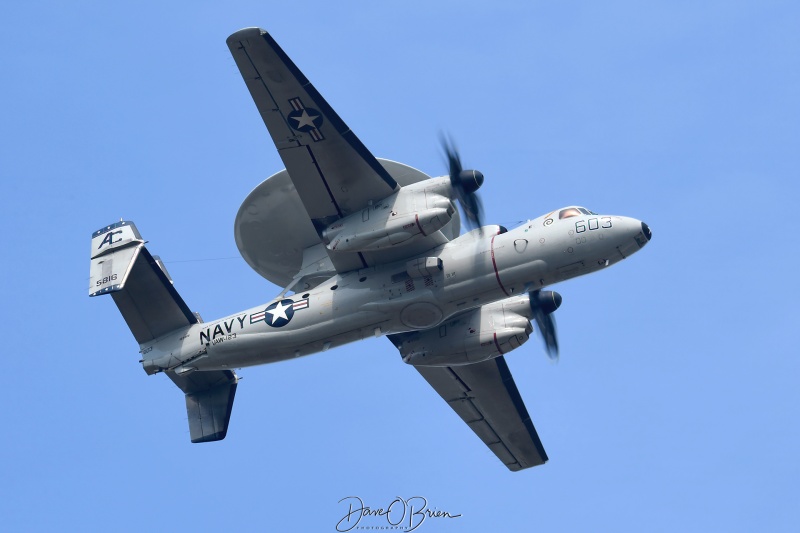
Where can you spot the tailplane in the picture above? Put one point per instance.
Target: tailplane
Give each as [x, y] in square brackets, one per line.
[137, 281]
[141, 287]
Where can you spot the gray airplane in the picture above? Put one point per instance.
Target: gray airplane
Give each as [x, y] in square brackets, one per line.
[366, 247]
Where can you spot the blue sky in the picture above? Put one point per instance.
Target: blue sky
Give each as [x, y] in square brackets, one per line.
[675, 403]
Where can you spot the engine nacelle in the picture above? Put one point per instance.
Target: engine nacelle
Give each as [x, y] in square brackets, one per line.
[385, 226]
[481, 334]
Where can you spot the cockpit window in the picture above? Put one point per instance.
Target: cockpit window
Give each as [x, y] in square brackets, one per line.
[568, 212]
[584, 211]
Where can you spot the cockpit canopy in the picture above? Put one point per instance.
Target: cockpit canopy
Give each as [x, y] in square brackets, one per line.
[574, 211]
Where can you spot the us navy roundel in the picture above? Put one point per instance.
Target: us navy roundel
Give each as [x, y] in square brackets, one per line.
[279, 314]
[305, 119]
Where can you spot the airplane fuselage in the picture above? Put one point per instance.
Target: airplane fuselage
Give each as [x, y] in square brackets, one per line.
[477, 268]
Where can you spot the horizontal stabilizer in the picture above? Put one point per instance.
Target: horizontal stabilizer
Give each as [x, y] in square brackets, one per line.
[138, 283]
[209, 400]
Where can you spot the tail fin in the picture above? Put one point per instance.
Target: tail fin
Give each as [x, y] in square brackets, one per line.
[143, 291]
[138, 282]
[209, 401]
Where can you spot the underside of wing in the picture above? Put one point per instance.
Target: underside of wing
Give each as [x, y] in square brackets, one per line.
[333, 172]
[485, 397]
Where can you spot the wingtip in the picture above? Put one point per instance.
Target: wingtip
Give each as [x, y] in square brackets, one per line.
[246, 33]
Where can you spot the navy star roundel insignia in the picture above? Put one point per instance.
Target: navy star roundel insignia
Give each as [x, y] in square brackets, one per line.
[305, 119]
[278, 314]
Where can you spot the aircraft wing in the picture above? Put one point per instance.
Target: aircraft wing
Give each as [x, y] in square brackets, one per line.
[485, 397]
[334, 173]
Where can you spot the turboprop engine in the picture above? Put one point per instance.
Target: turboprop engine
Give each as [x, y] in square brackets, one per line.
[385, 225]
[483, 333]
[416, 211]
[480, 334]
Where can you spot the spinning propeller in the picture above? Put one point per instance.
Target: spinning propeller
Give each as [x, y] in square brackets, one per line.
[543, 304]
[464, 183]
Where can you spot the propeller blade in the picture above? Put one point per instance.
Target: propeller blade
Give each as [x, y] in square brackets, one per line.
[464, 184]
[543, 304]
[473, 210]
[453, 158]
[547, 325]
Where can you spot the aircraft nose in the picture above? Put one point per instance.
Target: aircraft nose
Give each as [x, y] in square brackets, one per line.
[646, 231]
[630, 236]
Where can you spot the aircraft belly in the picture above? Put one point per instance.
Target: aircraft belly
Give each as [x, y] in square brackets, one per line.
[257, 349]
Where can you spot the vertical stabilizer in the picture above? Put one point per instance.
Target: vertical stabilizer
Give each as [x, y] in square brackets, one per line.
[114, 251]
[143, 291]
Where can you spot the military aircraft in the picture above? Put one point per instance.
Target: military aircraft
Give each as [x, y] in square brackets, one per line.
[366, 247]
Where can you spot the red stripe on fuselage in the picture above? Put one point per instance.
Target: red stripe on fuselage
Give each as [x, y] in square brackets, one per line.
[497, 274]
